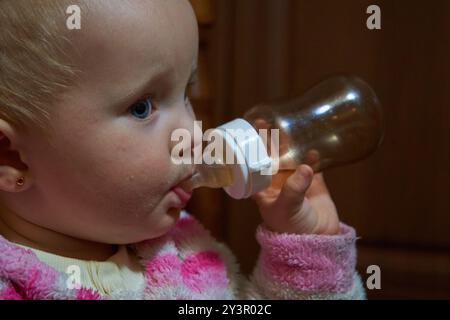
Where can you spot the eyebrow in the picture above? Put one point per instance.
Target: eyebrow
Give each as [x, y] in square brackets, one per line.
[134, 93]
[157, 75]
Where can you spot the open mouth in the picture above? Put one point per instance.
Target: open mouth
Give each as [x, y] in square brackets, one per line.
[183, 195]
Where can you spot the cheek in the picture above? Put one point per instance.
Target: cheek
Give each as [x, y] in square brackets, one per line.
[132, 176]
[116, 177]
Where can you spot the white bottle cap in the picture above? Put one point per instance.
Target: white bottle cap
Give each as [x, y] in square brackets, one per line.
[251, 155]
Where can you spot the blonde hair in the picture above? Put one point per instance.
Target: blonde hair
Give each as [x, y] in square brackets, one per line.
[34, 63]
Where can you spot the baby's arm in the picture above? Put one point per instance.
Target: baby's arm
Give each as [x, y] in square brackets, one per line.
[298, 267]
[294, 266]
[306, 253]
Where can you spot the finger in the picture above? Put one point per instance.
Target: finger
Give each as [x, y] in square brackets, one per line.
[295, 187]
[266, 196]
[318, 186]
[313, 159]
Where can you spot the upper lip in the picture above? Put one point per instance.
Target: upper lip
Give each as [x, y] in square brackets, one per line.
[183, 192]
[185, 178]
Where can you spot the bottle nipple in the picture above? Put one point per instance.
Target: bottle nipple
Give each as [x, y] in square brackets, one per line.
[242, 176]
[216, 175]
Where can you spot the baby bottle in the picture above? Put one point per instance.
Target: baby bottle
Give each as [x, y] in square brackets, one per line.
[337, 122]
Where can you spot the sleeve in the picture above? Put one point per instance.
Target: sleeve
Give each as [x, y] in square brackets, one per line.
[306, 267]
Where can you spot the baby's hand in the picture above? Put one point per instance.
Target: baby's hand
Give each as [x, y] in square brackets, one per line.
[302, 205]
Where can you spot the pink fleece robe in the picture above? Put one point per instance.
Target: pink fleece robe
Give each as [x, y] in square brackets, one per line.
[188, 263]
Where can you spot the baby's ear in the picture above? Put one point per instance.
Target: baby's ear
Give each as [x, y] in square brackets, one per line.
[14, 173]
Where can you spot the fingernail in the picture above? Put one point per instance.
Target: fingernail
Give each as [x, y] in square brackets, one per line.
[305, 172]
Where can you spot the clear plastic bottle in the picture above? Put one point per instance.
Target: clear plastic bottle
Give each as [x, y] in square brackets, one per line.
[337, 122]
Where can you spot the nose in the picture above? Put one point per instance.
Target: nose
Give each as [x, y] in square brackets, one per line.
[196, 140]
[187, 138]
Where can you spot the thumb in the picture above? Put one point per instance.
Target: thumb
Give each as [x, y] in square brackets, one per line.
[294, 189]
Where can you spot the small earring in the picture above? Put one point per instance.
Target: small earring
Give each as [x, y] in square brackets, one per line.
[20, 181]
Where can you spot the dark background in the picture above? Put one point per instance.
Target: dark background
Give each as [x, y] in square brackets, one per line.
[397, 199]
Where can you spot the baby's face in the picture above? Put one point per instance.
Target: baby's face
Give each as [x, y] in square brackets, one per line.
[107, 175]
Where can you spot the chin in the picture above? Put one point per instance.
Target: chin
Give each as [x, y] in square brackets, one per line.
[152, 229]
[163, 226]
[143, 236]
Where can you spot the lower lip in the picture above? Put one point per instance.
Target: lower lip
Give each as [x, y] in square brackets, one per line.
[182, 195]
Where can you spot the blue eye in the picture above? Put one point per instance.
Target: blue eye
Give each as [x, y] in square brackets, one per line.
[142, 108]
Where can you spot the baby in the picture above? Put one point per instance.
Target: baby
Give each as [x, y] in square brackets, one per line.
[88, 207]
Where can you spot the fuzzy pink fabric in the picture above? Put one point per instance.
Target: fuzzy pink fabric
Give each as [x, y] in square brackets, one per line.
[309, 263]
[197, 265]
[9, 293]
[187, 263]
[35, 279]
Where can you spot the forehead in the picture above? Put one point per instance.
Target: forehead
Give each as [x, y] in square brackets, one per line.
[130, 38]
